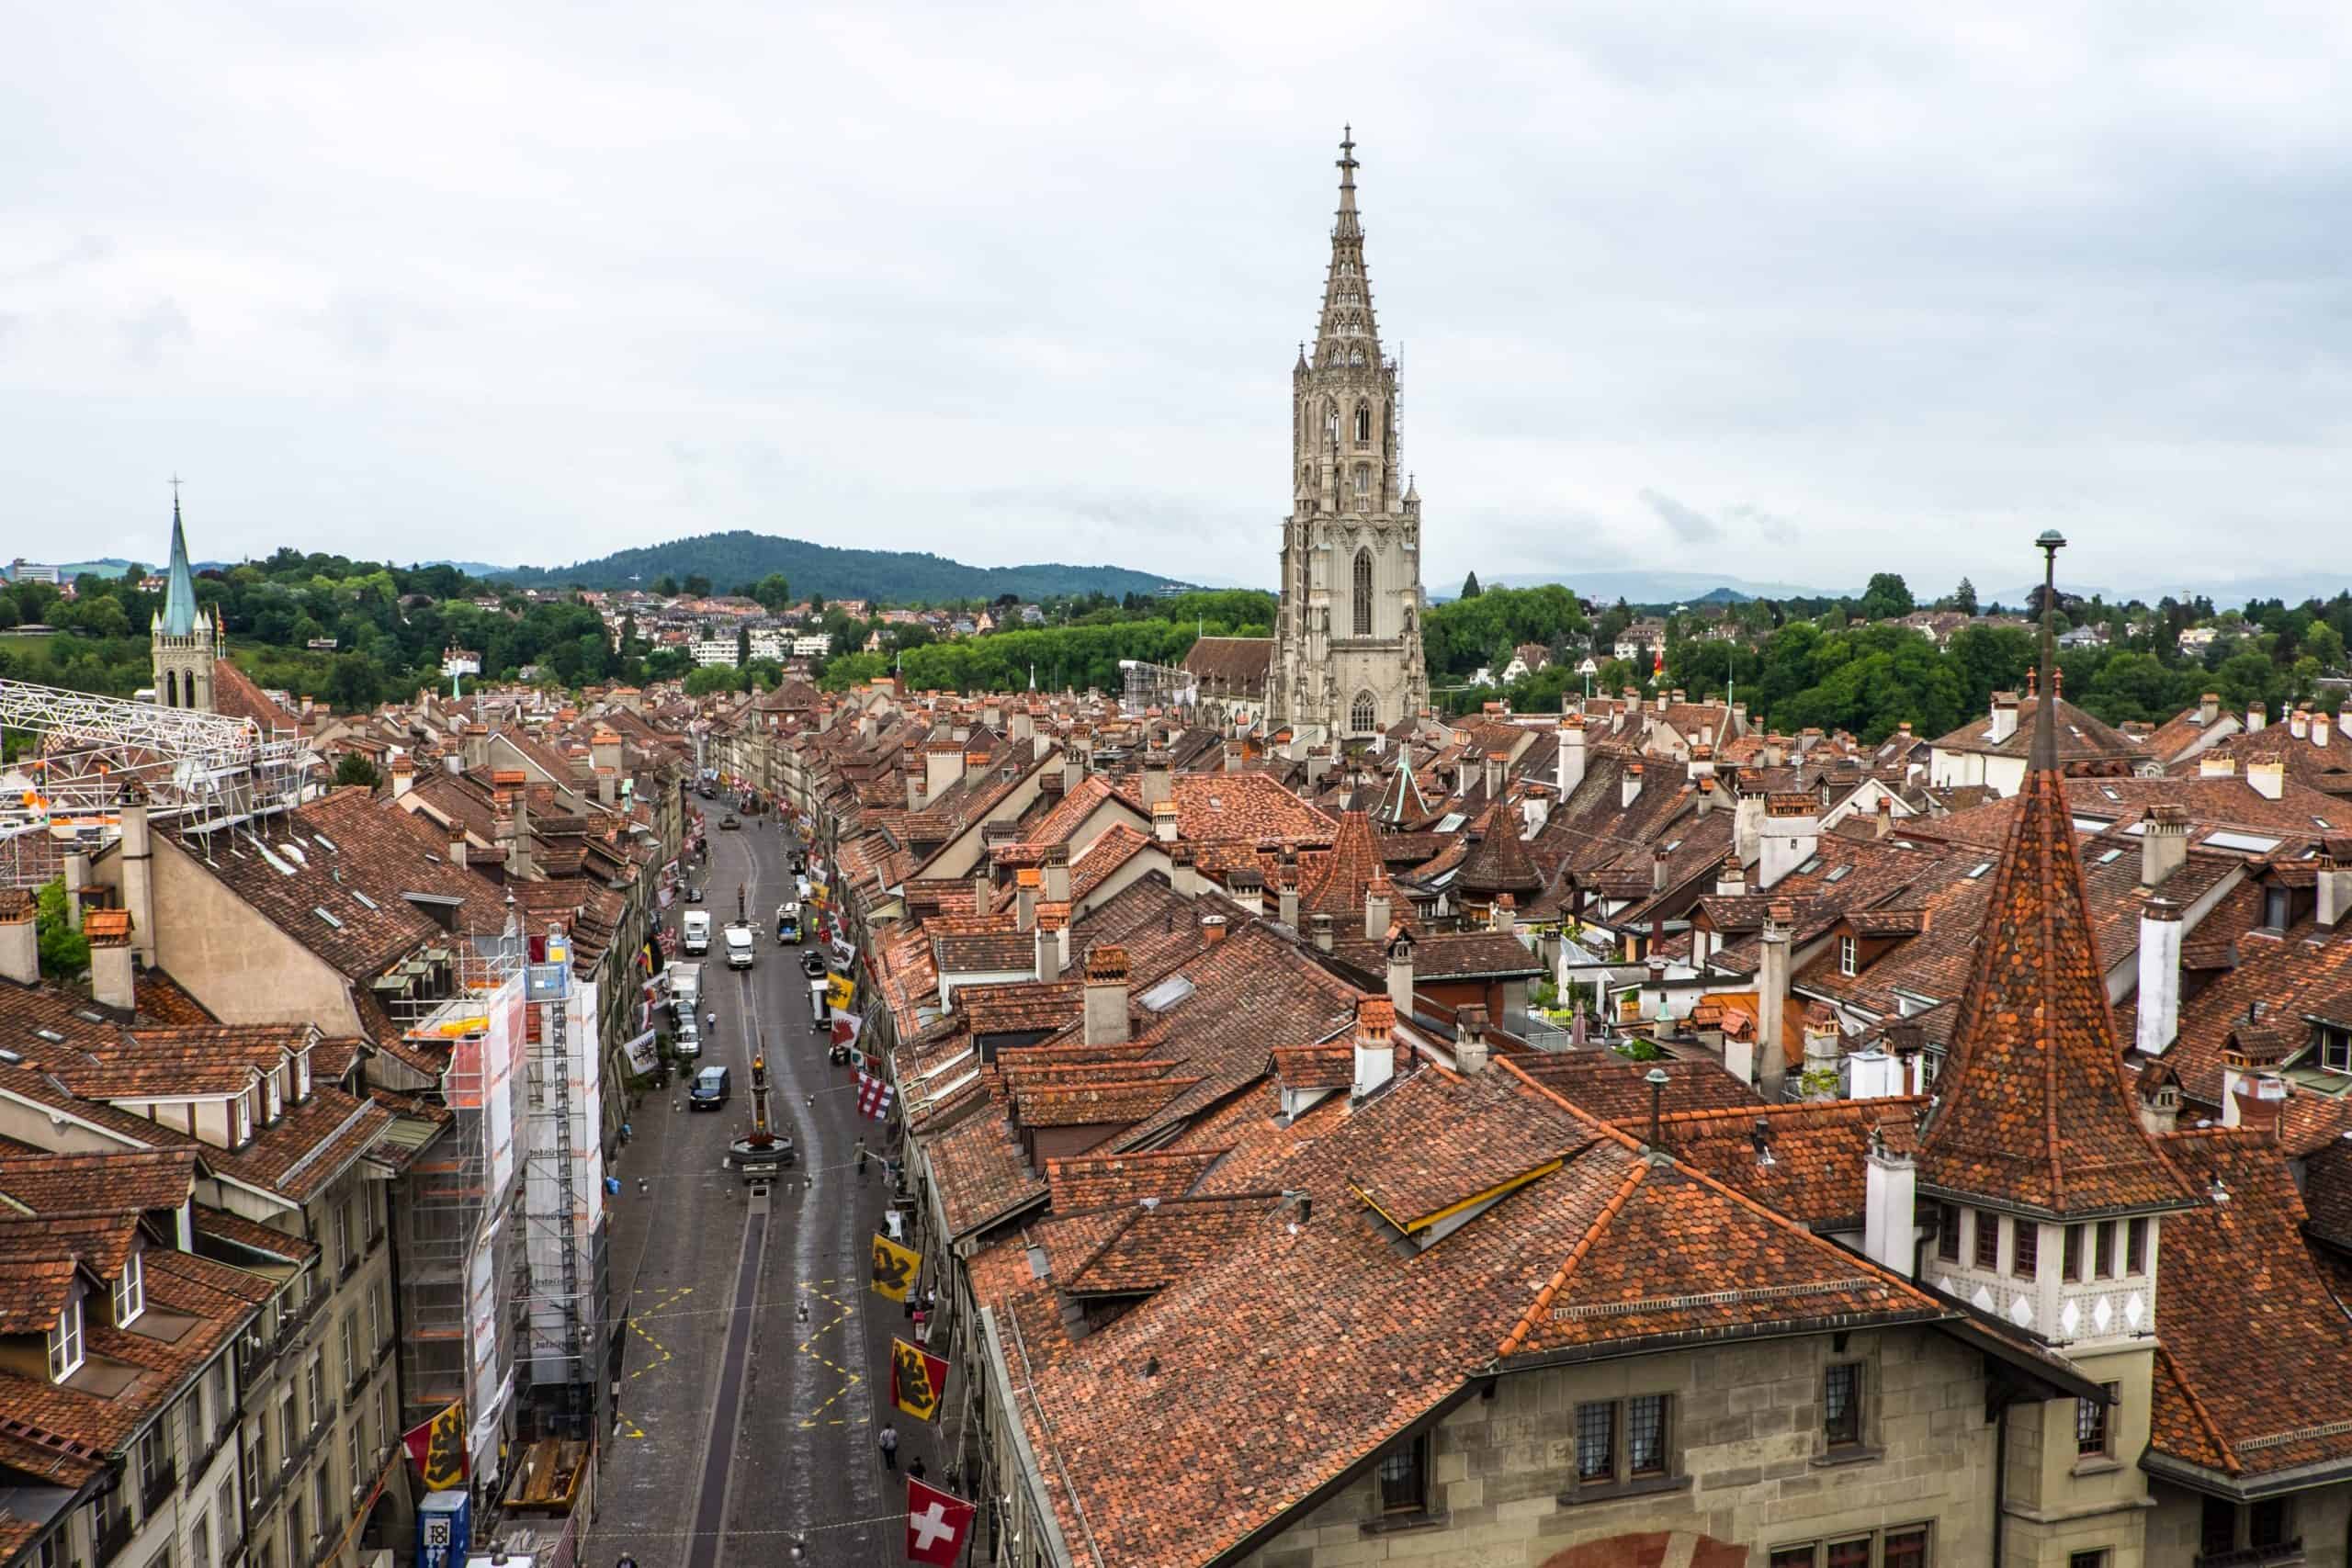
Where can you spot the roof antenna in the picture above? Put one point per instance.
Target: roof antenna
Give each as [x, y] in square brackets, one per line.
[2044, 753]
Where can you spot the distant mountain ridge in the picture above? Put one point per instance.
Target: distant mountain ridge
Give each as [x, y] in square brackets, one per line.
[896, 576]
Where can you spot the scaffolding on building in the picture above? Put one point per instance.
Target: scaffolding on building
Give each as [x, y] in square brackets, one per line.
[461, 1276]
[203, 771]
[563, 1201]
[1146, 685]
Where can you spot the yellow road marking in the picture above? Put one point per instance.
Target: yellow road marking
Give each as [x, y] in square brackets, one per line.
[842, 1314]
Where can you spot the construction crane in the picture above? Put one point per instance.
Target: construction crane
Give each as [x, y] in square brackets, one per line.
[90, 754]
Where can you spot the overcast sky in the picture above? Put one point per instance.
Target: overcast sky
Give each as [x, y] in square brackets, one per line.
[1792, 291]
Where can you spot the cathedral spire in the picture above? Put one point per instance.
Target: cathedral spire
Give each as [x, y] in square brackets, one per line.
[1347, 335]
[179, 617]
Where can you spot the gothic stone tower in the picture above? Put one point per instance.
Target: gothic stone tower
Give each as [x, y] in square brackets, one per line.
[1347, 638]
[183, 640]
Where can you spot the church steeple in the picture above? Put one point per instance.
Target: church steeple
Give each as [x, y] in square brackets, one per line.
[1347, 334]
[179, 617]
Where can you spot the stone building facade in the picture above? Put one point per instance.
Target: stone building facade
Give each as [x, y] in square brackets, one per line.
[1347, 658]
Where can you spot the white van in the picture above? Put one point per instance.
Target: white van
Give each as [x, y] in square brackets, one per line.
[697, 930]
[685, 986]
[688, 1041]
[739, 947]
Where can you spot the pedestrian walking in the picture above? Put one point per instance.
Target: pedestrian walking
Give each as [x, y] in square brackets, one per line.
[861, 1159]
[916, 1468]
[890, 1445]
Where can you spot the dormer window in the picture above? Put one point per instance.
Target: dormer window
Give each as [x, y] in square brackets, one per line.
[65, 1343]
[302, 1075]
[1849, 956]
[245, 1121]
[275, 1105]
[2335, 1048]
[131, 1291]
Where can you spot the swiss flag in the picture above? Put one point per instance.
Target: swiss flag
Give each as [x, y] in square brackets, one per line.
[938, 1524]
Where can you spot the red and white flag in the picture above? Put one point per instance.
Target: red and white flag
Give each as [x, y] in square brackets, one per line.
[845, 1027]
[938, 1524]
[872, 1097]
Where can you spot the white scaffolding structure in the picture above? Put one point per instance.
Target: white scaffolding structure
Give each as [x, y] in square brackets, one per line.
[207, 770]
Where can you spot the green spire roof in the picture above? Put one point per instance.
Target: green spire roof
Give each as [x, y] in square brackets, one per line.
[179, 596]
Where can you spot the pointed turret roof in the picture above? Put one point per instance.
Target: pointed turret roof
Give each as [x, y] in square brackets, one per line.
[1335, 887]
[1498, 862]
[1347, 323]
[2033, 1111]
[179, 615]
[1402, 801]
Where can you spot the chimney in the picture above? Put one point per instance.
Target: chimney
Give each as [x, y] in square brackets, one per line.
[1498, 763]
[138, 851]
[1286, 908]
[1318, 764]
[2208, 709]
[458, 846]
[1183, 874]
[1822, 1052]
[1890, 1200]
[1106, 996]
[1776, 749]
[2216, 765]
[1026, 882]
[1570, 770]
[2257, 718]
[604, 750]
[1400, 971]
[1233, 756]
[1155, 788]
[983, 892]
[1885, 821]
[1375, 1048]
[2319, 730]
[1791, 836]
[1073, 769]
[1658, 869]
[2164, 844]
[1504, 916]
[2298, 722]
[1163, 821]
[1320, 929]
[1470, 1038]
[19, 937]
[1212, 928]
[1053, 936]
[1731, 880]
[1706, 789]
[2267, 774]
[1022, 728]
[943, 764]
[77, 876]
[2004, 716]
[2159, 1103]
[1630, 788]
[1056, 870]
[2159, 1004]
[914, 790]
[1377, 893]
[403, 775]
[1771, 998]
[111, 982]
[2334, 884]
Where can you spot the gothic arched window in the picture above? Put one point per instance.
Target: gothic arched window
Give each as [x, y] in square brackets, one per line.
[1365, 716]
[170, 688]
[1363, 423]
[1364, 593]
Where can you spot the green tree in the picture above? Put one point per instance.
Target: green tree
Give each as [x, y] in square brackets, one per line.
[772, 590]
[65, 952]
[742, 646]
[697, 586]
[354, 767]
[1963, 598]
[665, 587]
[1886, 597]
[1470, 589]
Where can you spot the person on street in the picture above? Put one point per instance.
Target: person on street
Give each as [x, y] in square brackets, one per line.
[861, 1157]
[917, 1469]
[890, 1445]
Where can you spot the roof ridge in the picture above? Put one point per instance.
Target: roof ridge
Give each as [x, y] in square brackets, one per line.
[1789, 1111]
[2211, 1428]
[1525, 1327]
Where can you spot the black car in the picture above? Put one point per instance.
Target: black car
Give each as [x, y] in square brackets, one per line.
[693, 894]
[709, 1091]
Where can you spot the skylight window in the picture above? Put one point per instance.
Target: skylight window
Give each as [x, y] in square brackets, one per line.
[93, 1014]
[1979, 869]
[1673, 845]
[1167, 993]
[1811, 865]
[327, 918]
[1836, 873]
[2111, 857]
[2109, 791]
[276, 864]
[363, 898]
[2325, 823]
[329, 844]
[294, 852]
[51, 1036]
[2245, 844]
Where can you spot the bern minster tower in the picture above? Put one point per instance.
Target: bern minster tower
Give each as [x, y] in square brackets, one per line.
[1348, 639]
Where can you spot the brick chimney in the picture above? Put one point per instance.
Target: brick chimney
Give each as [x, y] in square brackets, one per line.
[1659, 858]
[1497, 765]
[1106, 997]
[2320, 728]
[1504, 916]
[1884, 822]
[19, 937]
[2164, 844]
[1213, 929]
[1772, 999]
[1470, 1038]
[1053, 939]
[1375, 1045]
[2252, 1090]
[1400, 970]
[403, 775]
[458, 845]
[1164, 821]
[1823, 1049]
[2159, 999]
[2257, 718]
[1731, 880]
[2208, 709]
[2299, 721]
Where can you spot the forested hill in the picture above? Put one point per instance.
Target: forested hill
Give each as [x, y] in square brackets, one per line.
[898, 577]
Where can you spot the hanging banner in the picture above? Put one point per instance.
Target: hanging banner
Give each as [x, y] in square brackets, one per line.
[438, 1449]
[845, 1027]
[918, 1380]
[895, 1269]
[639, 1052]
[839, 990]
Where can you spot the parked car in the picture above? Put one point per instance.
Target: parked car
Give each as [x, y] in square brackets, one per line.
[693, 894]
[730, 821]
[709, 1091]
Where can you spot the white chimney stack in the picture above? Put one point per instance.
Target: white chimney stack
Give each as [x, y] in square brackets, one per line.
[2159, 1000]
